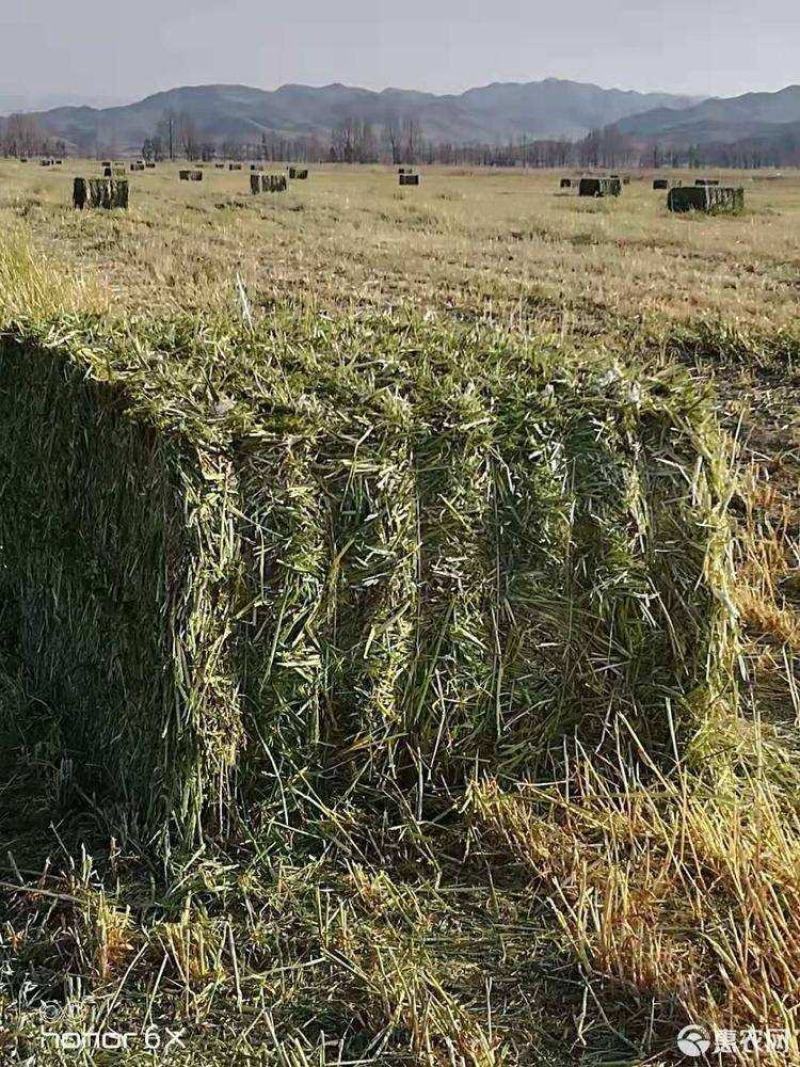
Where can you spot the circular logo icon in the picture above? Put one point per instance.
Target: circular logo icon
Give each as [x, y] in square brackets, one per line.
[694, 1041]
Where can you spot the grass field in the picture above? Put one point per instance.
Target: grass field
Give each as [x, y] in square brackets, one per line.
[561, 858]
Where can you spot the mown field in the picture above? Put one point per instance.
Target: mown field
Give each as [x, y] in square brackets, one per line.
[482, 505]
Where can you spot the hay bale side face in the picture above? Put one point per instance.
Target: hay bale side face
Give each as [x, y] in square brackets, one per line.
[89, 581]
[409, 179]
[183, 175]
[255, 184]
[80, 193]
[566, 183]
[661, 183]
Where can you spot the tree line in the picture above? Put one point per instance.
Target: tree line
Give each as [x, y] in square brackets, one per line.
[400, 139]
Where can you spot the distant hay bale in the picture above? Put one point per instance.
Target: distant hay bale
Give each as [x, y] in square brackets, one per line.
[58, 162]
[106, 163]
[190, 175]
[220, 166]
[566, 183]
[150, 166]
[409, 179]
[274, 183]
[234, 166]
[256, 166]
[298, 174]
[706, 181]
[661, 183]
[137, 166]
[106, 172]
[598, 187]
[23, 159]
[711, 199]
[44, 163]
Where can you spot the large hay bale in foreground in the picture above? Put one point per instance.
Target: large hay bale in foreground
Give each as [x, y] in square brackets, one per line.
[711, 199]
[599, 187]
[105, 193]
[369, 562]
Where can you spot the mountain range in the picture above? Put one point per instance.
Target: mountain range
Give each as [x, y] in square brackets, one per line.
[493, 114]
[552, 108]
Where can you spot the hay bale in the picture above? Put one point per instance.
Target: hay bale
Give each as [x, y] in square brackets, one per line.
[234, 166]
[409, 179]
[107, 172]
[106, 163]
[119, 170]
[196, 175]
[598, 187]
[706, 181]
[80, 193]
[58, 162]
[137, 166]
[661, 183]
[520, 550]
[219, 166]
[150, 166]
[23, 159]
[713, 200]
[255, 183]
[44, 163]
[566, 183]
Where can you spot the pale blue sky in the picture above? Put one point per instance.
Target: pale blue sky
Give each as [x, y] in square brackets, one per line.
[109, 50]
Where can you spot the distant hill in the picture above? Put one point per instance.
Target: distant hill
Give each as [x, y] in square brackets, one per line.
[493, 113]
[761, 116]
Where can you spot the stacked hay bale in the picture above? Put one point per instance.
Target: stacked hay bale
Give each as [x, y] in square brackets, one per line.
[362, 562]
[712, 199]
[599, 187]
[105, 193]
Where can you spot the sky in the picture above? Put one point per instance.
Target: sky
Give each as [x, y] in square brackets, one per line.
[55, 51]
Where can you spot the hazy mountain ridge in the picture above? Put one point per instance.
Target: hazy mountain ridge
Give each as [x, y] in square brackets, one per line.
[719, 120]
[492, 113]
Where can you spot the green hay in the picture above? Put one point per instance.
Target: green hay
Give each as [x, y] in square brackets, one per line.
[360, 552]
